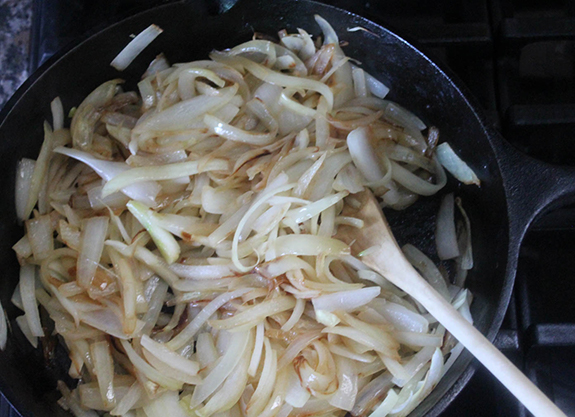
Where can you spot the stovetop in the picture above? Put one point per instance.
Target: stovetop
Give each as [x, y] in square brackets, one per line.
[518, 59]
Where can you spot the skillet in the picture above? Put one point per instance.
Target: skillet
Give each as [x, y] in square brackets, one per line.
[515, 189]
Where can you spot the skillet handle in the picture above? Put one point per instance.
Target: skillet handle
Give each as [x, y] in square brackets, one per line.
[532, 187]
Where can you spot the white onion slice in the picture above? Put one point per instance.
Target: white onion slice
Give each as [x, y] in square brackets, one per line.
[24, 174]
[376, 87]
[258, 350]
[202, 317]
[416, 184]
[94, 231]
[455, 165]
[232, 388]
[40, 172]
[363, 154]
[27, 292]
[40, 235]
[143, 175]
[345, 300]
[309, 245]
[128, 401]
[3, 328]
[296, 346]
[166, 404]
[347, 376]
[252, 316]
[387, 405]
[164, 240]
[266, 382]
[238, 344]
[466, 247]
[427, 269]
[202, 271]
[401, 317]
[296, 396]
[104, 370]
[144, 192]
[168, 356]
[445, 235]
[135, 47]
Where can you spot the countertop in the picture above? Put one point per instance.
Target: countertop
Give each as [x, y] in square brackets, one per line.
[15, 26]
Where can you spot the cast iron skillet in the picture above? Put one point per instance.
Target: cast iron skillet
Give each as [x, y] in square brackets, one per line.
[514, 189]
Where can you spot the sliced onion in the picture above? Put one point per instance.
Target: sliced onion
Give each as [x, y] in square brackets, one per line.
[427, 268]
[402, 318]
[163, 239]
[40, 235]
[376, 87]
[40, 172]
[453, 163]
[97, 202]
[258, 350]
[414, 183]
[295, 316]
[464, 239]
[254, 315]
[302, 214]
[167, 404]
[233, 387]
[445, 235]
[128, 401]
[24, 174]
[28, 294]
[143, 175]
[309, 245]
[3, 328]
[359, 82]
[186, 114]
[169, 357]
[345, 300]
[238, 345]
[88, 113]
[202, 271]
[206, 350]
[282, 80]
[94, 231]
[266, 382]
[387, 405]
[363, 155]
[104, 370]
[403, 117]
[344, 397]
[144, 192]
[57, 114]
[296, 346]
[296, 396]
[135, 47]
[203, 316]
[149, 371]
[230, 132]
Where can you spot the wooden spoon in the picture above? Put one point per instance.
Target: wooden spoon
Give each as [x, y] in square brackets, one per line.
[386, 258]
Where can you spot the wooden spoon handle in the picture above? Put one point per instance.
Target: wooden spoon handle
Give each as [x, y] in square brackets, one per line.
[401, 273]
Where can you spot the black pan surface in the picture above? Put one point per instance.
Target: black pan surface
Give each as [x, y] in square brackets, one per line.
[514, 188]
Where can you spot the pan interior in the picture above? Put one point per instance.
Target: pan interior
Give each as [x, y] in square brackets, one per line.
[28, 379]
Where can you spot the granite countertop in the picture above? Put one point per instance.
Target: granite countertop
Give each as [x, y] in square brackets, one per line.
[15, 26]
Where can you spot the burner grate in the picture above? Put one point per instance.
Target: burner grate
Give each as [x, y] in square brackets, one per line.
[518, 59]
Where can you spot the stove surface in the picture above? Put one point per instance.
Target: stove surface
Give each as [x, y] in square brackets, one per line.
[518, 59]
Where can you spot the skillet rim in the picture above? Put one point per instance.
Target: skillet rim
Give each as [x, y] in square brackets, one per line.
[453, 82]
